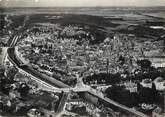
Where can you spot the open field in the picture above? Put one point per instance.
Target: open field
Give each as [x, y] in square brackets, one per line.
[159, 14]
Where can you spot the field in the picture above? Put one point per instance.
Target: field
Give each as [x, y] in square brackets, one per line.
[159, 14]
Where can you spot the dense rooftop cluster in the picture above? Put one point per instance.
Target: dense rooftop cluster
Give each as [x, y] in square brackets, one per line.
[56, 49]
[20, 95]
[5, 32]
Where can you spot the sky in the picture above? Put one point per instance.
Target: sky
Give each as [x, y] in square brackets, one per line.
[78, 3]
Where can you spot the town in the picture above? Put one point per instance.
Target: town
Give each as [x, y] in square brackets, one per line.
[64, 66]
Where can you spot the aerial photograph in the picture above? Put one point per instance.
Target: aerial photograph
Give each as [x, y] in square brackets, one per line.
[82, 58]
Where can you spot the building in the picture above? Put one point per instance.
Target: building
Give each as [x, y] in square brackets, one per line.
[147, 83]
[158, 112]
[159, 83]
[158, 62]
[132, 87]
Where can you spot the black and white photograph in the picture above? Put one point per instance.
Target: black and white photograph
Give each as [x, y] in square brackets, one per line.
[82, 58]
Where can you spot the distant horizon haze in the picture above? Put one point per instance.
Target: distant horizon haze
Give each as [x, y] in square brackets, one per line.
[82, 3]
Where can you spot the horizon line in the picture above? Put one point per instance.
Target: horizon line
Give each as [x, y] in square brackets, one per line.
[1, 6]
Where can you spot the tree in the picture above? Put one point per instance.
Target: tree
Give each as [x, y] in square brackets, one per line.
[11, 72]
[123, 96]
[144, 63]
[0, 50]
[147, 95]
[154, 92]
[2, 70]
[138, 86]
[24, 89]
[107, 66]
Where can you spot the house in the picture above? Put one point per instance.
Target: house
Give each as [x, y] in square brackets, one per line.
[147, 83]
[159, 83]
[158, 112]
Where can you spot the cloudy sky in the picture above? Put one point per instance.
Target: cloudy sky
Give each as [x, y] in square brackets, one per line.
[76, 3]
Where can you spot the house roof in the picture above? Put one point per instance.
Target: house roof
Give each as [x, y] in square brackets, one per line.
[159, 79]
[146, 81]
